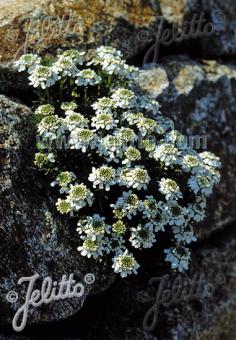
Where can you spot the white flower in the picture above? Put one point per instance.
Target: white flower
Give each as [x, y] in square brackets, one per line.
[111, 147]
[147, 125]
[197, 210]
[111, 62]
[136, 178]
[114, 65]
[45, 110]
[125, 264]
[43, 159]
[210, 159]
[51, 127]
[119, 227]
[211, 164]
[176, 138]
[126, 135]
[127, 205]
[51, 157]
[124, 98]
[148, 104]
[104, 121]
[115, 243]
[170, 189]
[166, 153]
[104, 105]
[149, 145]
[69, 106]
[184, 233]
[92, 248]
[142, 236]
[87, 77]
[130, 72]
[73, 55]
[75, 120]
[80, 196]
[150, 207]
[63, 179]
[162, 216]
[103, 177]
[178, 257]
[63, 206]
[191, 164]
[82, 139]
[201, 184]
[164, 124]
[27, 62]
[65, 67]
[177, 215]
[108, 51]
[131, 155]
[43, 76]
[94, 226]
[132, 117]
[214, 175]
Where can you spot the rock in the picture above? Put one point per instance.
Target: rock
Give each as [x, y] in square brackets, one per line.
[33, 238]
[198, 305]
[223, 16]
[43, 26]
[219, 19]
[173, 11]
[201, 99]
[13, 83]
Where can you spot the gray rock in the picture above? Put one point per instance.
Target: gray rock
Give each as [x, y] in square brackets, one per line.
[198, 305]
[223, 16]
[219, 18]
[13, 83]
[33, 239]
[201, 99]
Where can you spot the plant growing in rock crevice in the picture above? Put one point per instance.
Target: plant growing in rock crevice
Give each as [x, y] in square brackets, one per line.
[119, 165]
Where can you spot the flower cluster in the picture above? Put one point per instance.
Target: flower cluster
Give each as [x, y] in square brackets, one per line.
[123, 174]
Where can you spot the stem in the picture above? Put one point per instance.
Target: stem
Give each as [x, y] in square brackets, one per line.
[85, 96]
[99, 90]
[109, 81]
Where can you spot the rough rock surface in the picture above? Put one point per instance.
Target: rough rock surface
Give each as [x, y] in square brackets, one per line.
[201, 99]
[33, 240]
[223, 16]
[43, 26]
[218, 17]
[199, 305]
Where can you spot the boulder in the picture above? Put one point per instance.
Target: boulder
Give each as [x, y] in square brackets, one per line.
[201, 99]
[33, 238]
[210, 26]
[44, 26]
